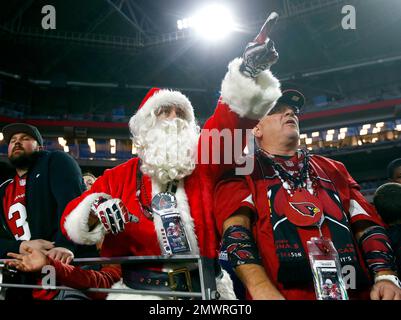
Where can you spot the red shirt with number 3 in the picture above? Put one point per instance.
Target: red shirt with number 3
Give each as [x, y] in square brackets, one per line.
[15, 210]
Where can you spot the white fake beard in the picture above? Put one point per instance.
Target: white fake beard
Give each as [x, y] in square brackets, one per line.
[168, 149]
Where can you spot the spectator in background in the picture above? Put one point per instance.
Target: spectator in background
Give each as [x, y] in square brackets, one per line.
[33, 201]
[394, 171]
[387, 200]
[89, 180]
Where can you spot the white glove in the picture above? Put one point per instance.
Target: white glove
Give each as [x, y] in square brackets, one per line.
[260, 54]
[113, 214]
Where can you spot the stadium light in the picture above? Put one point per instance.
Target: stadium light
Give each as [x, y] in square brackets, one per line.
[1, 137]
[341, 136]
[212, 22]
[92, 145]
[303, 136]
[343, 130]
[376, 130]
[308, 140]
[380, 124]
[398, 127]
[315, 134]
[366, 126]
[113, 148]
[329, 137]
[363, 132]
[330, 132]
[62, 142]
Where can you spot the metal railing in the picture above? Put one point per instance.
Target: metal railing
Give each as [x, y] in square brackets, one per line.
[205, 268]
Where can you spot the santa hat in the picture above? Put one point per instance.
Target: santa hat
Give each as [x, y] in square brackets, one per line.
[156, 98]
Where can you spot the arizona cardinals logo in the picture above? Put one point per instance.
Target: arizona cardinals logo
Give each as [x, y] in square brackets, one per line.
[244, 254]
[239, 251]
[232, 247]
[239, 235]
[305, 208]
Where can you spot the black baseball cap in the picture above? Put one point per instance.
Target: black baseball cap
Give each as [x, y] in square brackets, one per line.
[292, 98]
[14, 128]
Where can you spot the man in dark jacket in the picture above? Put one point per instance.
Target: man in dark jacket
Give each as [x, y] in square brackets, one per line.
[33, 201]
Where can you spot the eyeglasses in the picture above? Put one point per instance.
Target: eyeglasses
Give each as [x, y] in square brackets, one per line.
[166, 110]
[282, 108]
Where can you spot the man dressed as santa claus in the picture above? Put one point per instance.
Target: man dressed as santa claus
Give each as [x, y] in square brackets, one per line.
[137, 204]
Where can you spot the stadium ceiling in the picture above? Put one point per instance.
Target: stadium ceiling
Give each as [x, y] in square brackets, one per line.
[134, 45]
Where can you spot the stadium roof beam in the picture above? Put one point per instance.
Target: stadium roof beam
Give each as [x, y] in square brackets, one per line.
[44, 82]
[146, 22]
[345, 67]
[18, 15]
[288, 77]
[294, 8]
[81, 38]
[136, 16]
[315, 88]
[98, 21]
[104, 40]
[132, 21]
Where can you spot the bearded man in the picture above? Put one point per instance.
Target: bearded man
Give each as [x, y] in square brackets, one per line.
[134, 203]
[34, 200]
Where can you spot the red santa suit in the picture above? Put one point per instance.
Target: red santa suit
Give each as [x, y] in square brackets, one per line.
[243, 101]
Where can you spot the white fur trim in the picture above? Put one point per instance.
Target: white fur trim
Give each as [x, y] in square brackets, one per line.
[249, 98]
[163, 97]
[225, 287]
[133, 296]
[184, 209]
[76, 223]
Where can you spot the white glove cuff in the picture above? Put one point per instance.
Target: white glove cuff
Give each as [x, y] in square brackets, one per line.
[394, 279]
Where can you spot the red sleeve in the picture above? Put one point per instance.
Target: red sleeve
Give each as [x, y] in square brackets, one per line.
[357, 206]
[230, 195]
[75, 277]
[220, 143]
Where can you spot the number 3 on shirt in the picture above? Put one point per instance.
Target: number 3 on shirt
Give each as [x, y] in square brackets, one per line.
[21, 222]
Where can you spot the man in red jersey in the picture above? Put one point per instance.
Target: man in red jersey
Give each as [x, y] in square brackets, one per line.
[293, 204]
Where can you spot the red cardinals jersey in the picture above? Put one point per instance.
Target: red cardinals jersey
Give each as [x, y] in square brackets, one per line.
[16, 217]
[15, 210]
[235, 192]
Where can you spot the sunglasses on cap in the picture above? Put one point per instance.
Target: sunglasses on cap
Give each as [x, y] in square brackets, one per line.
[282, 108]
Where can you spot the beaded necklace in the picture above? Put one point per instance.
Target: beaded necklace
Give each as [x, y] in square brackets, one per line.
[303, 208]
[303, 176]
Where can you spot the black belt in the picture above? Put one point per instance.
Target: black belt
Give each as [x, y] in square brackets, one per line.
[180, 279]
